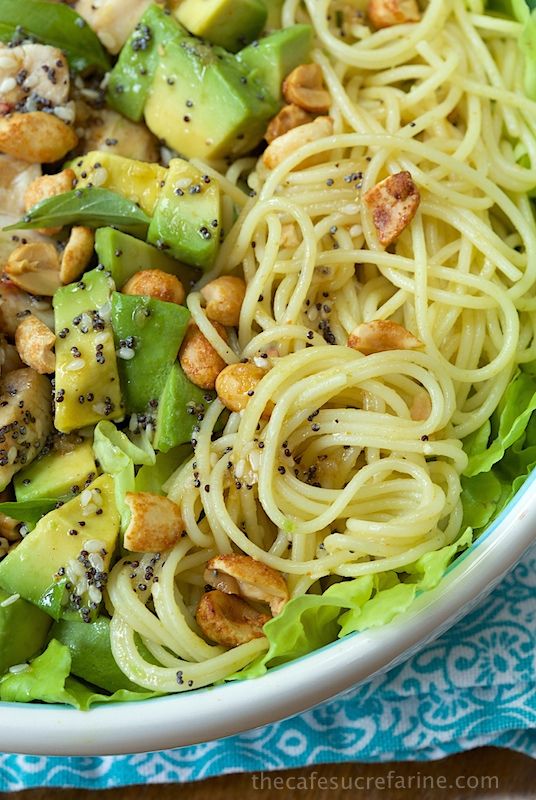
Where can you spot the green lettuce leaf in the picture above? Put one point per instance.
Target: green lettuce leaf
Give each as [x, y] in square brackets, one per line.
[507, 426]
[312, 621]
[502, 453]
[118, 455]
[523, 11]
[48, 680]
[395, 593]
[152, 477]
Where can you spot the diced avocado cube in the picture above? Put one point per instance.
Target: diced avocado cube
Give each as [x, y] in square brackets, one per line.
[204, 105]
[148, 334]
[228, 23]
[87, 380]
[187, 218]
[138, 181]
[56, 474]
[180, 405]
[91, 653]
[196, 97]
[123, 255]
[271, 59]
[23, 631]
[131, 79]
[47, 558]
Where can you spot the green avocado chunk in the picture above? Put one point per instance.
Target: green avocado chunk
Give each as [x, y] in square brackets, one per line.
[196, 97]
[271, 59]
[187, 217]
[180, 405]
[87, 380]
[39, 568]
[131, 79]
[228, 23]
[56, 474]
[123, 255]
[23, 631]
[91, 653]
[148, 334]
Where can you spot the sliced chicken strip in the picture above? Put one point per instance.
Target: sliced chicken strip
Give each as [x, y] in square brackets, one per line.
[112, 20]
[25, 420]
[16, 304]
[33, 75]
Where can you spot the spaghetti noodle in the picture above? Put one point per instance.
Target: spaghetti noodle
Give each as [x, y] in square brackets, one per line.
[357, 470]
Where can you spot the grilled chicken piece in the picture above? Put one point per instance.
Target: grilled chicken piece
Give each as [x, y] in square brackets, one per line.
[16, 304]
[31, 73]
[112, 20]
[25, 420]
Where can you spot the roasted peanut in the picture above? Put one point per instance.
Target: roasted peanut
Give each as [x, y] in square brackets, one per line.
[289, 236]
[393, 203]
[289, 117]
[236, 386]
[229, 620]
[35, 268]
[36, 137]
[249, 578]
[224, 297]
[77, 253]
[9, 357]
[385, 13]
[155, 283]
[48, 186]
[199, 360]
[287, 144]
[35, 342]
[9, 528]
[305, 88]
[421, 407]
[381, 335]
[155, 523]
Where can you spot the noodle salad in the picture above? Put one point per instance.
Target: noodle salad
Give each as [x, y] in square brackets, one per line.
[268, 316]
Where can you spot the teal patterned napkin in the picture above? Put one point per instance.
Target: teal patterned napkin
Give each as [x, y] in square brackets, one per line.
[475, 685]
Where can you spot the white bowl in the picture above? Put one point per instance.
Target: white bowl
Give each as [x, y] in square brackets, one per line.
[206, 714]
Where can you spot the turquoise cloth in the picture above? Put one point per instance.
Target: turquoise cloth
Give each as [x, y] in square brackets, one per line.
[475, 685]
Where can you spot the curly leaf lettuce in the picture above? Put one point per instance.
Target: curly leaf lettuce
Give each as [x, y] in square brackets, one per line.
[152, 477]
[312, 621]
[118, 455]
[502, 453]
[47, 679]
[523, 11]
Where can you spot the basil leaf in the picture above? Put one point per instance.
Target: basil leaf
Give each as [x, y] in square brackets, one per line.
[57, 25]
[93, 207]
[30, 511]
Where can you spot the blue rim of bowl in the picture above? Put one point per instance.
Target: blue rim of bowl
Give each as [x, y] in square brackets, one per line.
[497, 522]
